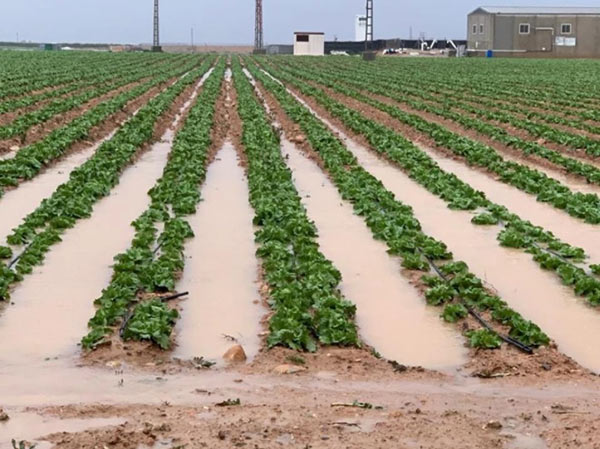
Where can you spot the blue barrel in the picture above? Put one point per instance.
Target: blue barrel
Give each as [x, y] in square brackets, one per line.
[489, 54]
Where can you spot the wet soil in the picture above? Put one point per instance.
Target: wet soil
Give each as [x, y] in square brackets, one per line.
[561, 224]
[23, 200]
[527, 108]
[79, 151]
[72, 306]
[122, 403]
[389, 310]
[38, 132]
[302, 410]
[18, 202]
[8, 117]
[478, 247]
[76, 270]
[221, 273]
[571, 180]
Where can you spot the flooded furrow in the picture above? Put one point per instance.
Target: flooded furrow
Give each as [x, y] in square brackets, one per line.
[565, 227]
[574, 182]
[17, 203]
[49, 311]
[58, 296]
[221, 268]
[534, 293]
[391, 315]
[562, 225]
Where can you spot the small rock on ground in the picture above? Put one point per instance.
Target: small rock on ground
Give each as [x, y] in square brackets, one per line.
[235, 354]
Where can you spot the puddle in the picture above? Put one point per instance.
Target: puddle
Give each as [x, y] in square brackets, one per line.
[17, 203]
[565, 227]
[221, 269]
[534, 293]
[31, 426]
[520, 441]
[390, 312]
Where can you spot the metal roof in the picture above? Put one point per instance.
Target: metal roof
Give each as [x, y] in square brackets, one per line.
[535, 10]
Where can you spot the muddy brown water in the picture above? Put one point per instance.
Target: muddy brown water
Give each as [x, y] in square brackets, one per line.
[389, 310]
[57, 298]
[391, 315]
[44, 385]
[533, 292]
[17, 203]
[30, 426]
[565, 227]
[576, 183]
[221, 269]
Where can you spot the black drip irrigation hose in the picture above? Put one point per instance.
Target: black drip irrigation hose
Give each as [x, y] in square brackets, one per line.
[507, 339]
[17, 258]
[554, 253]
[131, 310]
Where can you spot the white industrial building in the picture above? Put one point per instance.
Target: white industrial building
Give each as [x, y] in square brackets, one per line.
[309, 43]
[360, 28]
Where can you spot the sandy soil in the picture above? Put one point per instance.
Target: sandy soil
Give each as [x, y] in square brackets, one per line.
[316, 408]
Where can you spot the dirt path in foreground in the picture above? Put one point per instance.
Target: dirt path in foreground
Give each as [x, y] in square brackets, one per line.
[297, 411]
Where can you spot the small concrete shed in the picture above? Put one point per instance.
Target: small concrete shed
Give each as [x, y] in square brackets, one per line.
[309, 43]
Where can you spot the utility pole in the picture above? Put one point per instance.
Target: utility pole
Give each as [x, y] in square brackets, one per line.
[192, 38]
[156, 41]
[258, 27]
[369, 29]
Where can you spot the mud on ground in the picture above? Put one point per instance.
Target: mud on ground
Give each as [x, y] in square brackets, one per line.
[335, 398]
[323, 407]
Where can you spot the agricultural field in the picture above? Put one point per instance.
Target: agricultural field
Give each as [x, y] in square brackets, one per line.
[263, 252]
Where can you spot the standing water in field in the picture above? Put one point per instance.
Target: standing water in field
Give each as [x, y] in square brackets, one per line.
[534, 293]
[391, 315]
[17, 203]
[53, 304]
[221, 272]
[562, 225]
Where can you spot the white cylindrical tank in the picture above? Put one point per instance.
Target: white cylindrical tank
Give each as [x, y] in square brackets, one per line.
[360, 28]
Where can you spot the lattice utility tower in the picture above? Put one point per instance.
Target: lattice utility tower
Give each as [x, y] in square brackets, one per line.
[258, 27]
[156, 41]
[369, 30]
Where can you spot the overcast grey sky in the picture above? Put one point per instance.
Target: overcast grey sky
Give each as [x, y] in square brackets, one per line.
[232, 21]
